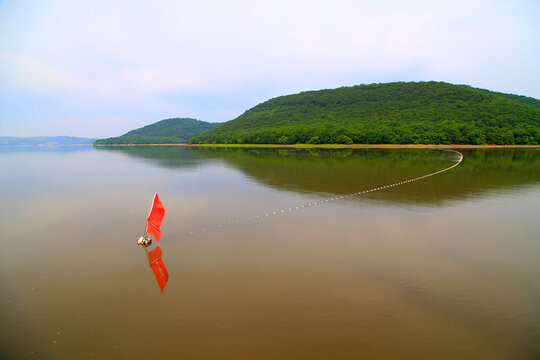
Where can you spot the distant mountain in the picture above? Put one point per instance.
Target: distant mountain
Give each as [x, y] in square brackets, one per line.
[391, 113]
[44, 140]
[168, 131]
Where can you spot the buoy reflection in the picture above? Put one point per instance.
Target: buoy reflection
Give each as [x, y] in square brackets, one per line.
[158, 267]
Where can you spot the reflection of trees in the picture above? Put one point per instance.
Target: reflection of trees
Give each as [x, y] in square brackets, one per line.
[329, 171]
[162, 156]
[344, 171]
[350, 170]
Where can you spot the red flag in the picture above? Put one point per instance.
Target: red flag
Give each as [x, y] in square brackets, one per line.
[158, 267]
[155, 218]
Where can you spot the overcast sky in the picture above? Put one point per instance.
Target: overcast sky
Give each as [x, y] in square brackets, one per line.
[101, 68]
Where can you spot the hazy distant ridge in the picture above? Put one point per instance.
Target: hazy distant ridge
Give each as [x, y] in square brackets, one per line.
[44, 140]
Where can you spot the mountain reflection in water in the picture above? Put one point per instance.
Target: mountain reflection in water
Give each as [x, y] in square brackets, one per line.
[345, 171]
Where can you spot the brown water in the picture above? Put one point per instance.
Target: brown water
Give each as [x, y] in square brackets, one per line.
[443, 268]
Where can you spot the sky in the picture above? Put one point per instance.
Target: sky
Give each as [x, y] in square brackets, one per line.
[101, 68]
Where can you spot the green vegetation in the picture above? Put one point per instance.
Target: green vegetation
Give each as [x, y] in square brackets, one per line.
[168, 131]
[393, 113]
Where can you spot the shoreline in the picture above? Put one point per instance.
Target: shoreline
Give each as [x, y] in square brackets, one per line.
[338, 146]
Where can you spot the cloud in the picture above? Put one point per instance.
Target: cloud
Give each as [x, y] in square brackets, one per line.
[165, 77]
[30, 73]
[152, 56]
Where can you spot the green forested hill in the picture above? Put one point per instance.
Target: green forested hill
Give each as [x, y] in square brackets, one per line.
[392, 113]
[523, 99]
[168, 131]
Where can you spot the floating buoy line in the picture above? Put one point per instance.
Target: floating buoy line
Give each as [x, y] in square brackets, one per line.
[319, 202]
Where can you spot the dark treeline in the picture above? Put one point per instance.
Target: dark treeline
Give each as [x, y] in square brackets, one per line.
[393, 113]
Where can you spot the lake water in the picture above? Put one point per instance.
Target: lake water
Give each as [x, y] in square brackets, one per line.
[443, 268]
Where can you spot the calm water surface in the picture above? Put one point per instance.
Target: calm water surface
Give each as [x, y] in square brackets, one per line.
[443, 268]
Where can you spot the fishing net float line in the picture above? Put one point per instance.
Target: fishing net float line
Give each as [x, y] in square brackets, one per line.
[157, 213]
[323, 201]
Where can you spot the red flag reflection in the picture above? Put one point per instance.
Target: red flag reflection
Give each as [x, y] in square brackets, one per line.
[155, 217]
[158, 267]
